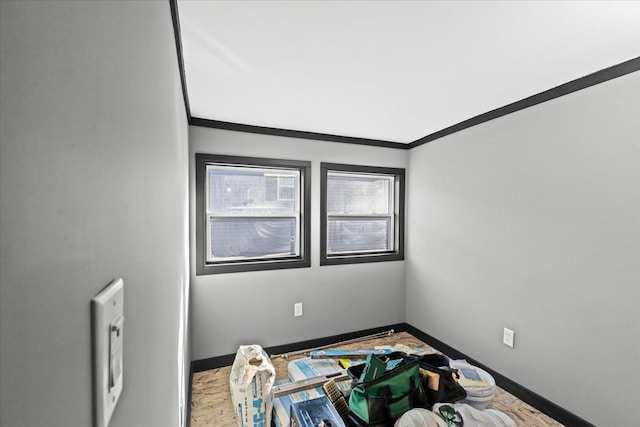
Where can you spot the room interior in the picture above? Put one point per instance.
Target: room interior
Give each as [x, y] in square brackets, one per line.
[522, 199]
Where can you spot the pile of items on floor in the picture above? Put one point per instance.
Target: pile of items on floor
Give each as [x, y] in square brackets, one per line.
[381, 387]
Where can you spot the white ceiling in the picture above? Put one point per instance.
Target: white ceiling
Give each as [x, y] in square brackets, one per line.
[390, 70]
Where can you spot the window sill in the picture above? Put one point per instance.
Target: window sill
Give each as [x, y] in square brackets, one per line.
[358, 259]
[238, 267]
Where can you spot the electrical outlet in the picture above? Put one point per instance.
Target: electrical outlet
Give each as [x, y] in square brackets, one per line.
[507, 337]
[297, 309]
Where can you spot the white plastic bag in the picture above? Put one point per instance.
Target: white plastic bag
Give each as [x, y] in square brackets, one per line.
[251, 380]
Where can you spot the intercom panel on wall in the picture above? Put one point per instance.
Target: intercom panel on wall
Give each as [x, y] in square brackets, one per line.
[107, 325]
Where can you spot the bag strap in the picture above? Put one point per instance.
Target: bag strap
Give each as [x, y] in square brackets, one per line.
[413, 399]
[408, 362]
[439, 364]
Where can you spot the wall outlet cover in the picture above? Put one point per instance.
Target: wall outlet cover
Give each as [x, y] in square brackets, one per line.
[107, 336]
[507, 337]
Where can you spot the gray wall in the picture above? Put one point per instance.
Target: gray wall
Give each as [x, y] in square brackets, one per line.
[257, 307]
[93, 185]
[532, 222]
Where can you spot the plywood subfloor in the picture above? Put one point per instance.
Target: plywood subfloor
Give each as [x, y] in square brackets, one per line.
[211, 399]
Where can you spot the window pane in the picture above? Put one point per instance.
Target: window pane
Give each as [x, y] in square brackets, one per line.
[358, 194]
[252, 238]
[286, 188]
[252, 192]
[358, 235]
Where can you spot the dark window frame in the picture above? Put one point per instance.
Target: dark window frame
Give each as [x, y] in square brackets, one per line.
[203, 267]
[399, 209]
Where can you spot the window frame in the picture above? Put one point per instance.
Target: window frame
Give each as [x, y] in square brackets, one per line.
[203, 266]
[398, 221]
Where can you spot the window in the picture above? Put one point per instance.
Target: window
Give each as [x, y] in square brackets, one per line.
[362, 217]
[253, 214]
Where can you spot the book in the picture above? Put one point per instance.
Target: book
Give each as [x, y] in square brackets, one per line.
[469, 377]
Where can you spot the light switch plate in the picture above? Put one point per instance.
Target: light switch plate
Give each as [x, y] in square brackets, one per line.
[107, 324]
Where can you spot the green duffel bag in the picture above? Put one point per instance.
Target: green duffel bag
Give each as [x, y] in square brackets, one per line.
[381, 401]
